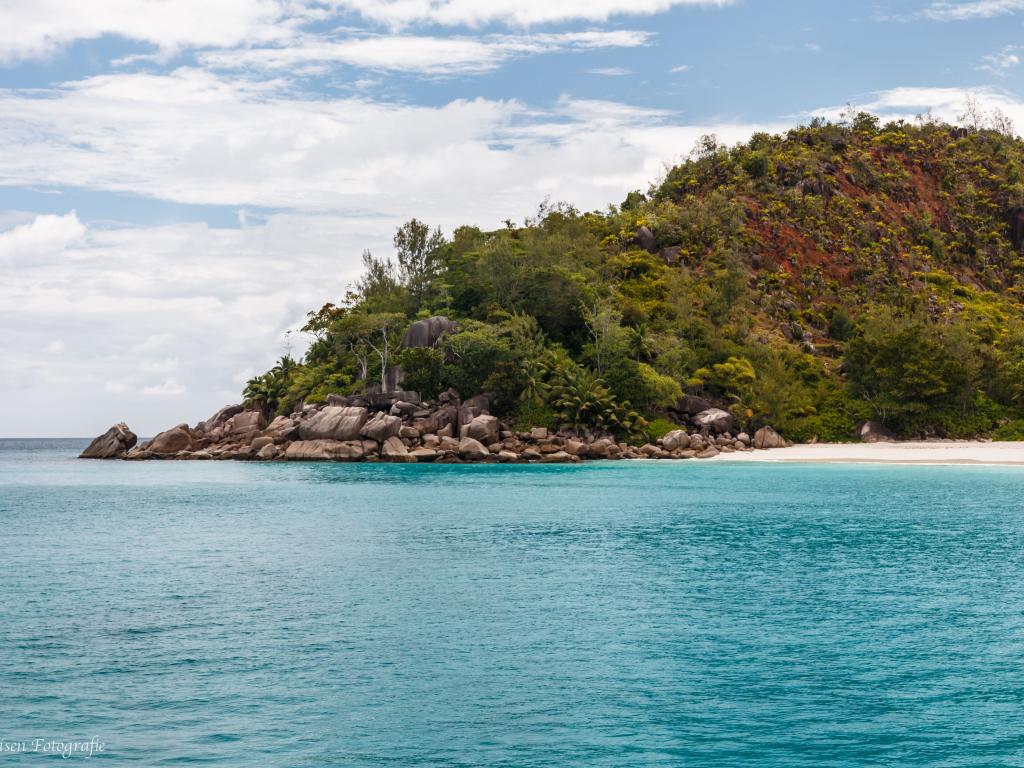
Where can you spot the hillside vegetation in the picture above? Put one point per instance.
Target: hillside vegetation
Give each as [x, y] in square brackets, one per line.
[814, 280]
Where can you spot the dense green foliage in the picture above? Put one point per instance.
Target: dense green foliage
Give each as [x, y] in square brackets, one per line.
[837, 273]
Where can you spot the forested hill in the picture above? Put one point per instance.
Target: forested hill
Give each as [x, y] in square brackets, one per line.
[835, 274]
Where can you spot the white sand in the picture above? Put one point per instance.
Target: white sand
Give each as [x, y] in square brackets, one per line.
[959, 452]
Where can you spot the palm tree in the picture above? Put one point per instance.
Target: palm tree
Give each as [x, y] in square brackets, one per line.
[584, 402]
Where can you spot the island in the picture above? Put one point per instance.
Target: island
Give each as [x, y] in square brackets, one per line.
[844, 281]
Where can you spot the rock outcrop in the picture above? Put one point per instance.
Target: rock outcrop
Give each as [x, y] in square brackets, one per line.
[875, 432]
[219, 418]
[428, 332]
[324, 450]
[112, 444]
[766, 438]
[675, 439]
[400, 427]
[334, 423]
[715, 419]
[394, 449]
[472, 450]
[646, 239]
[170, 442]
[483, 428]
[381, 427]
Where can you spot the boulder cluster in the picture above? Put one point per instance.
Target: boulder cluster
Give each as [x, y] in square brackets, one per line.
[399, 427]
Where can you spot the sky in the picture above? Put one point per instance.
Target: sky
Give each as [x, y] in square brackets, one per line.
[181, 181]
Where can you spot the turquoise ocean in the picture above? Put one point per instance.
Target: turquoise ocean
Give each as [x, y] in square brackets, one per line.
[608, 614]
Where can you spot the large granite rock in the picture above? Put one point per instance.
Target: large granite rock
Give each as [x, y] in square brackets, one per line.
[558, 457]
[403, 409]
[423, 454]
[324, 450]
[714, 419]
[692, 404]
[472, 450]
[468, 412]
[483, 428]
[244, 425]
[766, 437]
[875, 432]
[381, 427]
[219, 418]
[646, 239]
[675, 439]
[171, 441]
[438, 420]
[334, 423]
[428, 332]
[282, 428]
[112, 444]
[394, 450]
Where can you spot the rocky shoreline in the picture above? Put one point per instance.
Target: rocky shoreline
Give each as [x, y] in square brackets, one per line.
[399, 427]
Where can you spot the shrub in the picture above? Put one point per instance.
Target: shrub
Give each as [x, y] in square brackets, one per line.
[534, 415]
[756, 165]
[424, 371]
[1011, 430]
[472, 355]
[840, 325]
[658, 428]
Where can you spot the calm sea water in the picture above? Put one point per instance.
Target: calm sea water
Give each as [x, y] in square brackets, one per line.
[615, 614]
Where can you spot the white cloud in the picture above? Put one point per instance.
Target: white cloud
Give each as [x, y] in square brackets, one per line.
[400, 13]
[55, 347]
[681, 68]
[35, 28]
[167, 388]
[610, 71]
[947, 104]
[40, 239]
[974, 9]
[1000, 62]
[192, 137]
[167, 365]
[409, 53]
[155, 320]
[40, 28]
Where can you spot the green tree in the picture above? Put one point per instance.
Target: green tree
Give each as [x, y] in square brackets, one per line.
[378, 290]
[418, 250]
[473, 354]
[424, 370]
[911, 369]
[583, 402]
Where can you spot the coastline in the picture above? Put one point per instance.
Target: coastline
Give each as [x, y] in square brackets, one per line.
[924, 453]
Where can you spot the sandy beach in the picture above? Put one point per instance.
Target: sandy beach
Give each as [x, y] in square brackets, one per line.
[938, 453]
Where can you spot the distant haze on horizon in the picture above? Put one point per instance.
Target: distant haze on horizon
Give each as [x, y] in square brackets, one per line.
[181, 183]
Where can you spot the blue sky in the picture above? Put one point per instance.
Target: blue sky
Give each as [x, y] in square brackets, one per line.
[180, 181]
